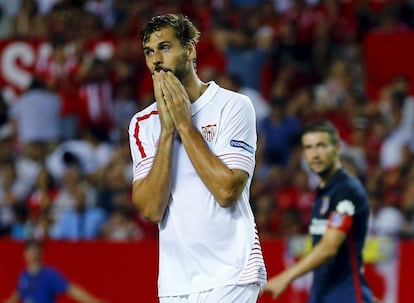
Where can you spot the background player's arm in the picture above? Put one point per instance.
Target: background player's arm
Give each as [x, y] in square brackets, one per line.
[326, 249]
[14, 298]
[81, 295]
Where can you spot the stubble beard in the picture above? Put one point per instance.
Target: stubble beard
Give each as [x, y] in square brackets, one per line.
[326, 172]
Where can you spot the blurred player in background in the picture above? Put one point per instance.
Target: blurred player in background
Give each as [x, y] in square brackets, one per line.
[338, 226]
[193, 154]
[43, 284]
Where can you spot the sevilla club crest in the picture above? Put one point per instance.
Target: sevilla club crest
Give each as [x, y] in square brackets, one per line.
[209, 131]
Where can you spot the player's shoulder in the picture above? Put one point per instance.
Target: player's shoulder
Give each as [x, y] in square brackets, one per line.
[345, 179]
[355, 182]
[234, 99]
[146, 114]
[148, 110]
[48, 271]
[349, 185]
[233, 95]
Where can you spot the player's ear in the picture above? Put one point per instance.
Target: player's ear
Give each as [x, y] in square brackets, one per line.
[191, 51]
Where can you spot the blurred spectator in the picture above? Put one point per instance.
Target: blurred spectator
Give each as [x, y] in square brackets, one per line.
[268, 179]
[384, 220]
[36, 115]
[120, 226]
[19, 227]
[264, 212]
[28, 23]
[391, 148]
[114, 190]
[336, 85]
[397, 108]
[6, 24]
[288, 51]
[292, 223]
[374, 137]
[92, 152]
[245, 58]
[30, 161]
[389, 19]
[59, 70]
[42, 195]
[125, 106]
[402, 98]
[233, 83]
[45, 6]
[5, 125]
[297, 195]
[103, 9]
[13, 191]
[96, 95]
[69, 187]
[211, 59]
[40, 227]
[278, 134]
[10, 8]
[407, 206]
[81, 221]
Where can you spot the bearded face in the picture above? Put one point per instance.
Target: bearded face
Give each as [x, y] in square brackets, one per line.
[164, 51]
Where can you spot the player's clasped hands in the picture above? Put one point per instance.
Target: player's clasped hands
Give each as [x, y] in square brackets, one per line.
[165, 117]
[172, 100]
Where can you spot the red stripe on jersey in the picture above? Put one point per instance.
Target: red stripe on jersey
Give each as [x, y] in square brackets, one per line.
[342, 222]
[355, 271]
[136, 132]
[255, 270]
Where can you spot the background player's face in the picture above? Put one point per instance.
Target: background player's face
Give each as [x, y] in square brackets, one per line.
[320, 153]
[33, 254]
[163, 51]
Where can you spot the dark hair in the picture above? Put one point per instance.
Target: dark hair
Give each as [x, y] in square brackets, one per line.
[184, 29]
[32, 243]
[323, 126]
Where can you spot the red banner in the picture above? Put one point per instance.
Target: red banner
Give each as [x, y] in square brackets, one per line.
[127, 272]
[387, 54]
[19, 57]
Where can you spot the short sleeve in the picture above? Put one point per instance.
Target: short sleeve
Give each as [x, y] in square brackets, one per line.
[236, 144]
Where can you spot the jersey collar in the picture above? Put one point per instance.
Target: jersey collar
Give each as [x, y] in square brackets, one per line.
[205, 98]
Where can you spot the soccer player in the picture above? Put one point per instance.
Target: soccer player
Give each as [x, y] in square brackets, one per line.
[43, 284]
[193, 154]
[338, 226]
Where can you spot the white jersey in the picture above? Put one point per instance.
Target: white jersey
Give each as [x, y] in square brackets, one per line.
[203, 245]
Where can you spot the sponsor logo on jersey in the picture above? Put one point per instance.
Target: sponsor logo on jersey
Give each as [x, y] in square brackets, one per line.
[346, 207]
[209, 131]
[242, 144]
[325, 205]
[318, 226]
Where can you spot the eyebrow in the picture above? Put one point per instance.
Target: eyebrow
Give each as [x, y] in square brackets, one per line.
[160, 44]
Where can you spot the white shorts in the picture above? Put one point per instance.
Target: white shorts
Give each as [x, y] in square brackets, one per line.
[228, 294]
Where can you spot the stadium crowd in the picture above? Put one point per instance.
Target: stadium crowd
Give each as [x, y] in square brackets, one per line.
[65, 167]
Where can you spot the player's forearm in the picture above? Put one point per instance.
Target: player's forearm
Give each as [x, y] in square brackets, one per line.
[225, 184]
[14, 298]
[315, 258]
[151, 194]
[81, 295]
